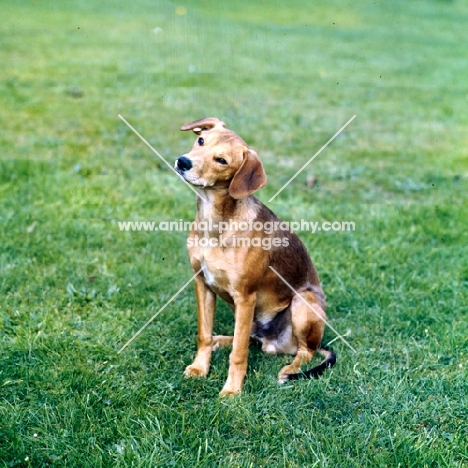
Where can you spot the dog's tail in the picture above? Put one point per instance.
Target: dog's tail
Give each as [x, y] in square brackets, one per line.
[317, 371]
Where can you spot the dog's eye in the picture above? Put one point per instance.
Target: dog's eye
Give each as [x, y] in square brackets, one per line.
[201, 141]
[221, 161]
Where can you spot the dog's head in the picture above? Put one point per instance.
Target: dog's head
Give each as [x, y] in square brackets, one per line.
[220, 159]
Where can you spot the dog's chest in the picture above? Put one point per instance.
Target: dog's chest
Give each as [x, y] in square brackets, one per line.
[215, 276]
[216, 271]
[210, 278]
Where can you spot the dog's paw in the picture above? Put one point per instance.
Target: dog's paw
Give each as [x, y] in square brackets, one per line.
[283, 375]
[195, 371]
[229, 392]
[220, 341]
[283, 378]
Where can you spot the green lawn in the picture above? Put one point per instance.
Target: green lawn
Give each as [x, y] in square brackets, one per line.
[285, 76]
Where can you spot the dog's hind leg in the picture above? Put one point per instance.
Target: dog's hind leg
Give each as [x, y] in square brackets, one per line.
[222, 341]
[307, 318]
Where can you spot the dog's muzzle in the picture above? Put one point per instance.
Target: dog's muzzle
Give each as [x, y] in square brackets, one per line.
[184, 164]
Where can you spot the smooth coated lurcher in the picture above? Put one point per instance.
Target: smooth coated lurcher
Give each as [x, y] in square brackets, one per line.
[226, 172]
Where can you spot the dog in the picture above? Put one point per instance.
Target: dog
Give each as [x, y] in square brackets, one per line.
[275, 292]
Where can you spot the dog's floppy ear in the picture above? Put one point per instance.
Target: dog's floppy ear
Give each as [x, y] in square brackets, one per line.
[249, 177]
[203, 125]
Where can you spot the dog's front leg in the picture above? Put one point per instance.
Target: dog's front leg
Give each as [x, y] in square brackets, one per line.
[244, 313]
[206, 310]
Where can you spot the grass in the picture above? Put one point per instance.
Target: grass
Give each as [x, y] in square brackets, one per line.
[285, 76]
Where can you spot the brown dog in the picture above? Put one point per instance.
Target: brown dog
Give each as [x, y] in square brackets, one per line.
[254, 276]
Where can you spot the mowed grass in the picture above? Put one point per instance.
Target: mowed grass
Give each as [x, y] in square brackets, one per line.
[285, 76]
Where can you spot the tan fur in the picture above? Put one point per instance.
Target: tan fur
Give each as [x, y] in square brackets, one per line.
[241, 275]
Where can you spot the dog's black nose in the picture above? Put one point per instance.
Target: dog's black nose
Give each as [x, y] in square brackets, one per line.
[184, 163]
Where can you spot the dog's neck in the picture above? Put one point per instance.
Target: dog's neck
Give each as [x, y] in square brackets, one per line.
[218, 205]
